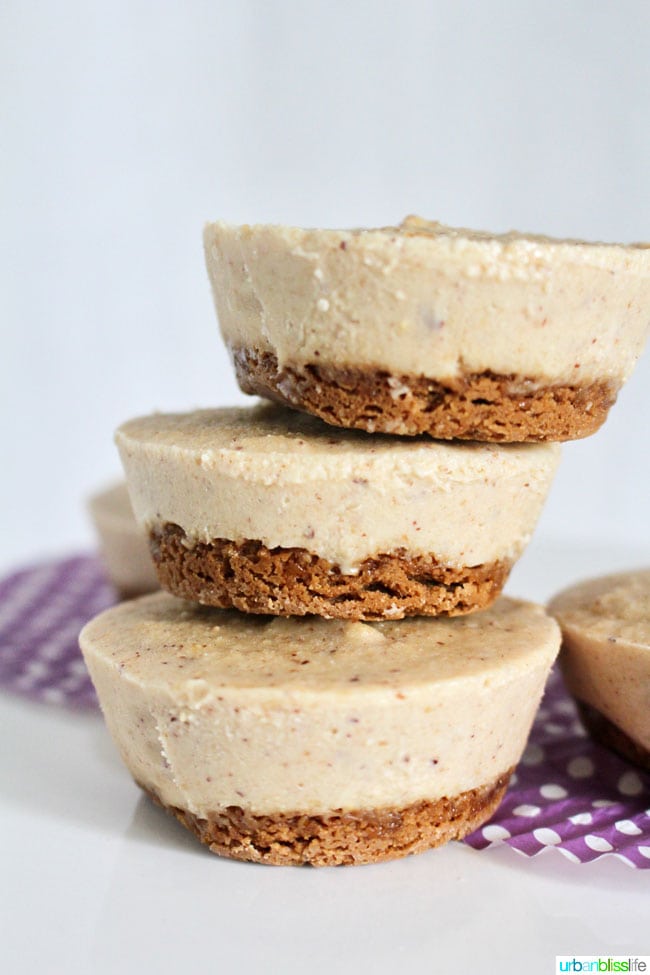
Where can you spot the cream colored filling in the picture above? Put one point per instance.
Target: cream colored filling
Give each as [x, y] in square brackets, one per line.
[289, 480]
[123, 543]
[425, 299]
[211, 708]
[606, 657]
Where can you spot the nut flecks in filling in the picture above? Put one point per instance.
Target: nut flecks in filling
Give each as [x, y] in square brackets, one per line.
[288, 481]
[307, 715]
[562, 312]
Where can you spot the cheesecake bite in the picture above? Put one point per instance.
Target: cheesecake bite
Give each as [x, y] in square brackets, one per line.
[311, 741]
[605, 658]
[124, 545]
[271, 511]
[424, 328]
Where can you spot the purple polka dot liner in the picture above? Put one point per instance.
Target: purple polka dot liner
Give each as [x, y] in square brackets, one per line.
[571, 794]
[42, 610]
[567, 793]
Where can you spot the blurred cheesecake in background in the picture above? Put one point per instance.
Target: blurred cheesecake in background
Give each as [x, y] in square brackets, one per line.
[605, 658]
[124, 546]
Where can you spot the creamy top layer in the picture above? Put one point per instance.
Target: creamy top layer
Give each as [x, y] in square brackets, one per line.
[606, 628]
[610, 608]
[289, 480]
[212, 708]
[426, 299]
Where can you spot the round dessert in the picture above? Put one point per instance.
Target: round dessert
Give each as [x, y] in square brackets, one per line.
[605, 658]
[291, 741]
[271, 511]
[123, 543]
[424, 328]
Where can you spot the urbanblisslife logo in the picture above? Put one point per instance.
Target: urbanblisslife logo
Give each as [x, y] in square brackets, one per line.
[598, 963]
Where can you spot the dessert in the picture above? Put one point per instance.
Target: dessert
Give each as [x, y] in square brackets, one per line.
[289, 741]
[123, 543]
[424, 328]
[605, 658]
[272, 511]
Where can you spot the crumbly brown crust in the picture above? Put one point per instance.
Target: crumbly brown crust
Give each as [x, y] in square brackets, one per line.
[475, 406]
[337, 837]
[606, 733]
[294, 582]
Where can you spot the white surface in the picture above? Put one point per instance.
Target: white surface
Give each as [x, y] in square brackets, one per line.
[127, 125]
[95, 878]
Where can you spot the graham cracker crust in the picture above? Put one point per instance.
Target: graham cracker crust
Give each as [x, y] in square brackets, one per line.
[477, 406]
[294, 582]
[606, 733]
[336, 838]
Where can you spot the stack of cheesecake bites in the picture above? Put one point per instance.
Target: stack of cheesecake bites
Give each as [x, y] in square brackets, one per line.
[332, 676]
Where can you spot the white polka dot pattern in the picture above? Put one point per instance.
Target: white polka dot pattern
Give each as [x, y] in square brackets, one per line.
[527, 810]
[553, 791]
[598, 843]
[581, 767]
[546, 836]
[630, 784]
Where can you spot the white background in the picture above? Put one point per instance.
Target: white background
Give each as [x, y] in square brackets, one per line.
[127, 125]
[124, 127]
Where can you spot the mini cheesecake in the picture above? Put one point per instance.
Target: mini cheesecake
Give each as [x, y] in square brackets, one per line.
[271, 511]
[290, 741]
[124, 545]
[605, 659]
[424, 328]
